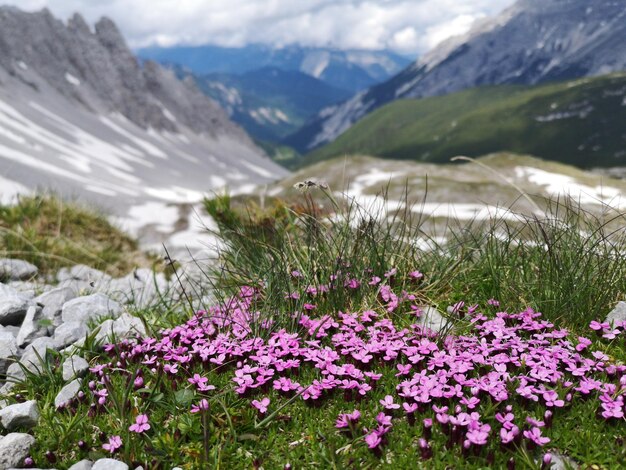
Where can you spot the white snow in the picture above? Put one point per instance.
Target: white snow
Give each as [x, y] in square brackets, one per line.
[21, 64]
[175, 194]
[72, 79]
[160, 215]
[562, 185]
[146, 146]
[10, 190]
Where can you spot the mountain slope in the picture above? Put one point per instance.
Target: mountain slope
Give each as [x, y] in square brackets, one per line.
[532, 42]
[348, 70]
[577, 122]
[79, 115]
[270, 103]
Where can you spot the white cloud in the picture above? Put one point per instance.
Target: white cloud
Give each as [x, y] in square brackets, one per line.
[407, 26]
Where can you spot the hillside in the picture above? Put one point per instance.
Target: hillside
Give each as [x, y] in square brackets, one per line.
[270, 103]
[530, 43]
[576, 122]
[79, 115]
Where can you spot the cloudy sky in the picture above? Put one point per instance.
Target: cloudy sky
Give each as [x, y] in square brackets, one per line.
[406, 26]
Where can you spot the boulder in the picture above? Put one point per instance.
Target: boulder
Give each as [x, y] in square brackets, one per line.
[68, 392]
[8, 350]
[82, 465]
[16, 269]
[617, 314]
[70, 332]
[125, 326]
[31, 326]
[12, 306]
[14, 448]
[109, 464]
[90, 307]
[52, 302]
[74, 366]
[25, 415]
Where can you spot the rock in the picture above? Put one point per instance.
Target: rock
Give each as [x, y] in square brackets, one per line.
[53, 300]
[82, 465]
[31, 326]
[16, 269]
[109, 464]
[14, 330]
[617, 314]
[90, 307]
[74, 366]
[24, 415]
[142, 288]
[8, 350]
[431, 319]
[12, 306]
[68, 392]
[562, 462]
[124, 327]
[70, 332]
[81, 272]
[31, 358]
[14, 448]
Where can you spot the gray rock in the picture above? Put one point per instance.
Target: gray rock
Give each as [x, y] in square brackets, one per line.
[53, 300]
[562, 462]
[12, 306]
[8, 350]
[24, 415]
[74, 366]
[109, 464]
[68, 392]
[123, 327]
[82, 465]
[617, 314]
[31, 326]
[90, 307]
[82, 272]
[70, 332]
[31, 358]
[14, 448]
[142, 288]
[16, 270]
[432, 319]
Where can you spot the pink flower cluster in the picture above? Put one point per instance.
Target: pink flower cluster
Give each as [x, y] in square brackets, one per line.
[459, 382]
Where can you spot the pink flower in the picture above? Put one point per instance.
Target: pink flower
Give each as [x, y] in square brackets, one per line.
[375, 281]
[534, 435]
[141, 424]
[416, 275]
[261, 405]
[507, 436]
[202, 406]
[388, 403]
[373, 439]
[582, 344]
[115, 442]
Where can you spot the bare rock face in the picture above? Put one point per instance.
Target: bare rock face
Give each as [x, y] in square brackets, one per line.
[533, 41]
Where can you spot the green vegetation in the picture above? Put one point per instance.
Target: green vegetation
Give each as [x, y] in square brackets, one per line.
[568, 264]
[51, 233]
[577, 122]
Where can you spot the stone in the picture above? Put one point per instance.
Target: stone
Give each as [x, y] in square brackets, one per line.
[109, 464]
[14, 448]
[562, 462]
[89, 308]
[70, 332]
[12, 306]
[124, 327]
[82, 465]
[8, 350]
[16, 269]
[617, 314]
[432, 319]
[68, 392]
[20, 415]
[81, 272]
[74, 366]
[31, 358]
[53, 300]
[31, 326]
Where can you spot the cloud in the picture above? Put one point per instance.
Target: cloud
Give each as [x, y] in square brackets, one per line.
[406, 26]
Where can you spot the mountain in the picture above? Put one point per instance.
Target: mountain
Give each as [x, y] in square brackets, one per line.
[577, 122]
[352, 70]
[81, 116]
[270, 103]
[534, 41]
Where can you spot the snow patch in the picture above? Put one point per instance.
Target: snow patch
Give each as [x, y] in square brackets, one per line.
[72, 79]
[10, 191]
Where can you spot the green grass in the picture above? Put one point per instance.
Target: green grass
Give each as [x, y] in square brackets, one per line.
[567, 264]
[492, 119]
[51, 233]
